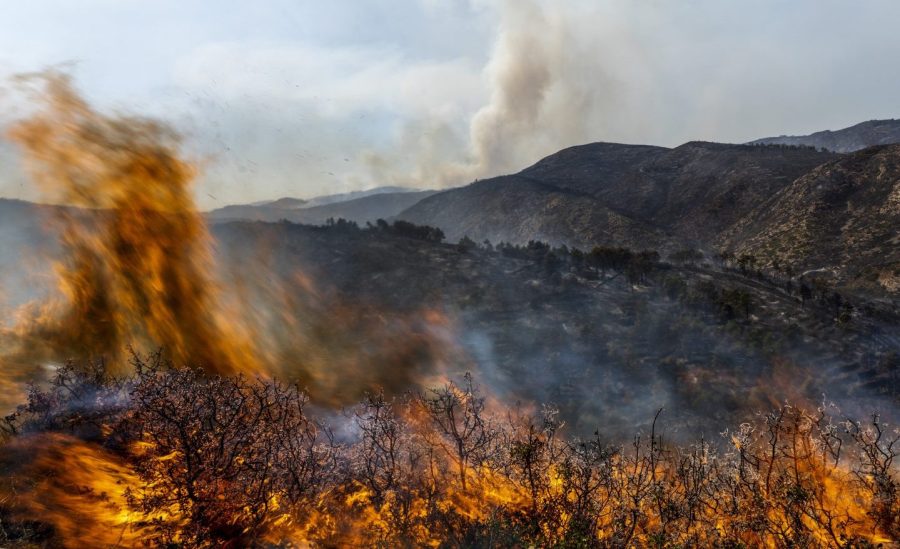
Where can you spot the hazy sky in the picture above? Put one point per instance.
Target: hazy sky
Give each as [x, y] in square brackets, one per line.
[302, 97]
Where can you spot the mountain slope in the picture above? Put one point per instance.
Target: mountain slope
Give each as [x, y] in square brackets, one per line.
[709, 344]
[606, 193]
[517, 209]
[854, 138]
[545, 326]
[694, 190]
[353, 195]
[842, 218]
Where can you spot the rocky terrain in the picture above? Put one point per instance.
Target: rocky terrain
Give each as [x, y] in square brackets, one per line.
[789, 208]
[840, 221]
[767, 201]
[519, 208]
[693, 191]
[605, 193]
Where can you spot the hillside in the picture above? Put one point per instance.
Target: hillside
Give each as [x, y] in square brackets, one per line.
[602, 193]
[353, 195]
[711, 345]
[854, 138]
[518, 208]
[693, 191]
[841, 220]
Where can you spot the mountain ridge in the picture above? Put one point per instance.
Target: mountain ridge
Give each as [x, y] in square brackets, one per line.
[608, 193]
[360, 207]
[845, 140]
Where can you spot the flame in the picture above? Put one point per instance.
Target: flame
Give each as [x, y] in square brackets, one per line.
[527, 482]
[77, 487]
[627, 506]
[137, 273]
[137, 255]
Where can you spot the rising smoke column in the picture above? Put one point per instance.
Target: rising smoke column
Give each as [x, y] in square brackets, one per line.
[548, 85]
[520, 74]
[137, 261]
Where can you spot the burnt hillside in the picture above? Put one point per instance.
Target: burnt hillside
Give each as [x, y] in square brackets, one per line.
[605, 336]
[606, 193]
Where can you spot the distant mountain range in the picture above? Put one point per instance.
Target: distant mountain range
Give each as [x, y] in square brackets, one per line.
[359, 206]
[854, 138]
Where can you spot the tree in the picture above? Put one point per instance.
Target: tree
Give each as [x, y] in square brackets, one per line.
[466, 244]
[688, 255]
[465, 433]
[805, 293]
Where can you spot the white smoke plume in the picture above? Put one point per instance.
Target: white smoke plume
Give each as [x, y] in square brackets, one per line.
[547, 89]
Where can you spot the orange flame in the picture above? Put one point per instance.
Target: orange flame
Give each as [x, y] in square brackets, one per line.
[77, 487]
[137, 264]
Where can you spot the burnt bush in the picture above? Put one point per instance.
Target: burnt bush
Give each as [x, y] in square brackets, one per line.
[206, 461]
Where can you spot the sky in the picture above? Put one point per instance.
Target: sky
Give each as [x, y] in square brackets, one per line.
[303, 98]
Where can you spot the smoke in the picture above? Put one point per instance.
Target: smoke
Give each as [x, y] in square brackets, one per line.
[527, 76]
[548, 88]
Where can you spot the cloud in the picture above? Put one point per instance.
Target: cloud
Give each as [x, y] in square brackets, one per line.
[302, 97]
[337, 82]
[303, 120]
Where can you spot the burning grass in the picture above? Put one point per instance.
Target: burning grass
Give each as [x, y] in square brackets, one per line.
[175, 457]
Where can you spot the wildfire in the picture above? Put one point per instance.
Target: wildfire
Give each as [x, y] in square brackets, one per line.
[163, 454]
[137, 272]
[200, 461]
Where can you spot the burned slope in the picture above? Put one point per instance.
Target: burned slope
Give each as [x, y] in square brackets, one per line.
[555, 201]
[520, 208]
[608, 338]
[841, 221]
[700, 189]
[641, 194]
[854, 138]
[693, 191]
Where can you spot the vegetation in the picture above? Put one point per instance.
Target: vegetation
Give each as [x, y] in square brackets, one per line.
[212, 461]
[398, 228]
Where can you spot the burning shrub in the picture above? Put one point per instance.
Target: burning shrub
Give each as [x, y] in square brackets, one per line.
[181, 458]
[394, 465]
[81, 399]
[230, 456]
